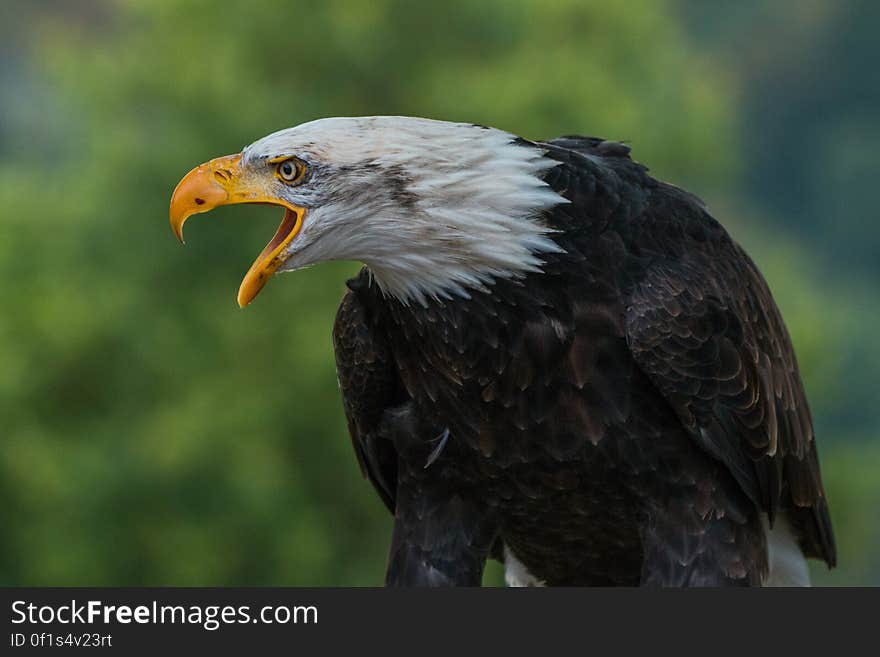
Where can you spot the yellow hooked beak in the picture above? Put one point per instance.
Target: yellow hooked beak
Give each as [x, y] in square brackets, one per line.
[222, 182]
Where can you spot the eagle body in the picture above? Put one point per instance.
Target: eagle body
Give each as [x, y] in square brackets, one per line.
[550, 357]
[631, 414]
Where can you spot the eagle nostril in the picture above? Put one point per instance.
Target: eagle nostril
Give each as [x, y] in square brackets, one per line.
[200, 201]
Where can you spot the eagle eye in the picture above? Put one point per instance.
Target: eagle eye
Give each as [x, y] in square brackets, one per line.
[290, 170]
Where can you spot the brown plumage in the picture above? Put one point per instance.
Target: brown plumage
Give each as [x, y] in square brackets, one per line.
[624, 416]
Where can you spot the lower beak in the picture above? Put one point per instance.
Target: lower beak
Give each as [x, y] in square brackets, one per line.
[270, 259]
[220, 182]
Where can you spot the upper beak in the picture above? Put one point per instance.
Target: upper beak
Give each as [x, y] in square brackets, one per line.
[204, 188]
[220, 182]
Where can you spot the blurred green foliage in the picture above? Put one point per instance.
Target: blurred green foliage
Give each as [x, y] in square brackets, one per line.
[153, 433]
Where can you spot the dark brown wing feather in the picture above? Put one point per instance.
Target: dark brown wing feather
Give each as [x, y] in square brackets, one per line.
[702, 324]
[706, 330]
[369, 386]
[439, 538]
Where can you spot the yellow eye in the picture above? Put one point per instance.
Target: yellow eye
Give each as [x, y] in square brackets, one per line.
[290, 170]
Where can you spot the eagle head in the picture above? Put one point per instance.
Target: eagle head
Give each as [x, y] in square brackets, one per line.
[432, 208]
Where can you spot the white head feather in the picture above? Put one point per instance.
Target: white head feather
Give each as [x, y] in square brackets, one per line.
[432, 208]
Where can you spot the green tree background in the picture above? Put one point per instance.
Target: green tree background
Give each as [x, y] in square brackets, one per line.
[152, 433]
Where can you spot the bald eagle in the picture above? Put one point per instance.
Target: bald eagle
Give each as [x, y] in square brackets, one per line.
[550, 357]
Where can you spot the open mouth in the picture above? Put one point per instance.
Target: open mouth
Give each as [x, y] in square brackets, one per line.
[219, 182]
[270, 258]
